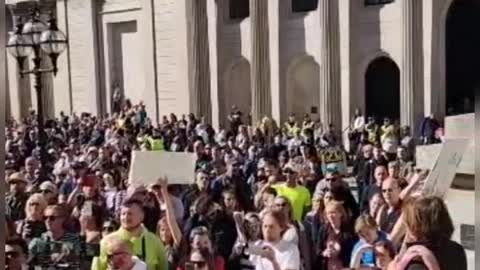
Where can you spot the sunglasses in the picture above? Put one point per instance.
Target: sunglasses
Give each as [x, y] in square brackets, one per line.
[388, 190]
[12, 254]
[199, 264]
[110, 256]
[108, 229]
[288, 172]
[52, 218]
[281, 204]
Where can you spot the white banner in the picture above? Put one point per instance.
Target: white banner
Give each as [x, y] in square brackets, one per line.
[146, 167]
[444, 169]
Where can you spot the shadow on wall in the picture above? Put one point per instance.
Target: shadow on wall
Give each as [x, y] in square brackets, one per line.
[381, 76]
[234, 67]
[299, 85]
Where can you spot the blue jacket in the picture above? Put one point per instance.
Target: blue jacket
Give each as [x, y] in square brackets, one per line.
[368, 258]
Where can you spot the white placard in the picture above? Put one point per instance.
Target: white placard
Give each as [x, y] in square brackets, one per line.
[147, 166]
[443, 171]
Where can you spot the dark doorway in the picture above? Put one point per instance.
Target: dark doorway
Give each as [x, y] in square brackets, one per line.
[462, 55]
[382, 89]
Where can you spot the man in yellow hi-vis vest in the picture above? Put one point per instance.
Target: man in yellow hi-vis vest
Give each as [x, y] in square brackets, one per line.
[156, 142]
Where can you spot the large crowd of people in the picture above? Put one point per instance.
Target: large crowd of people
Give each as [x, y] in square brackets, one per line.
[263, 196]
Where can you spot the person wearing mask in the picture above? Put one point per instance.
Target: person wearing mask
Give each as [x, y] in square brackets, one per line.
[145, 244]
[336, 239]
[274, 253]
[120, 255]
[67, 246]
[429, 230]
[33, 225]
[16, 199]
[380, 174]
[16, 254]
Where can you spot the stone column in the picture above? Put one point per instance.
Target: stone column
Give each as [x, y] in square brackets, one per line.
[411, 93]
[260, 71]
[47, 88]
[330, 91]
[200, 68]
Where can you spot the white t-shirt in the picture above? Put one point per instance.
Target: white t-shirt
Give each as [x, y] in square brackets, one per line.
[286, 255]
[139, 264]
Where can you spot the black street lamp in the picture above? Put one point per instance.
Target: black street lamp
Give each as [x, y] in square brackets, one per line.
[37, 36]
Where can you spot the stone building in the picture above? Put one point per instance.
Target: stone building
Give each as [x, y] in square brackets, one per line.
[398, 58]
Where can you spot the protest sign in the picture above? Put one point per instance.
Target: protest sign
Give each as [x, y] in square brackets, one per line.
[147, 166]
[334, 155]
[444, 169]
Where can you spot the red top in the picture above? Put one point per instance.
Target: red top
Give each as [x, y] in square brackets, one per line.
[219, 264]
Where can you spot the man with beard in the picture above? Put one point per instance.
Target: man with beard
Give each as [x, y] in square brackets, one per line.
[201, 187]
[233, 179]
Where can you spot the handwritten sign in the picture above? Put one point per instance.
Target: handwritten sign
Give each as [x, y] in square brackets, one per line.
[334, 155]
[444, 169]
[147, 166]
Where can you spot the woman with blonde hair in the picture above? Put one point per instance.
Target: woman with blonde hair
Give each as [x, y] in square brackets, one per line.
[336, 239]
[33, 225]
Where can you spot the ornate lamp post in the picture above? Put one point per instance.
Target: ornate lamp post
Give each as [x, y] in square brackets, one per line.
[37, 36]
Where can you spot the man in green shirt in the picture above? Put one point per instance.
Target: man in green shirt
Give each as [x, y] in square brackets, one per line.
[145, 244]
[298, 195]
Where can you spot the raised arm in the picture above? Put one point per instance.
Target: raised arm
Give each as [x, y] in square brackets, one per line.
[413, 183]
[170, 214]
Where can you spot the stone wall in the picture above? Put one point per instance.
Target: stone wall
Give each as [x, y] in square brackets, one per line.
[171, 56]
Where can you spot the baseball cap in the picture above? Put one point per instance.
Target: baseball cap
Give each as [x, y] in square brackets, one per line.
[47, 185]
[331, 169]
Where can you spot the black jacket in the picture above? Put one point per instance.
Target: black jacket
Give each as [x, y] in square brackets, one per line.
[348, 240]
[449, 254]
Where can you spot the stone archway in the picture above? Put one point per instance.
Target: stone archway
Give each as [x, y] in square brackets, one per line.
[382, 89]
[462, 48]
[236, 91]
[303, 87]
